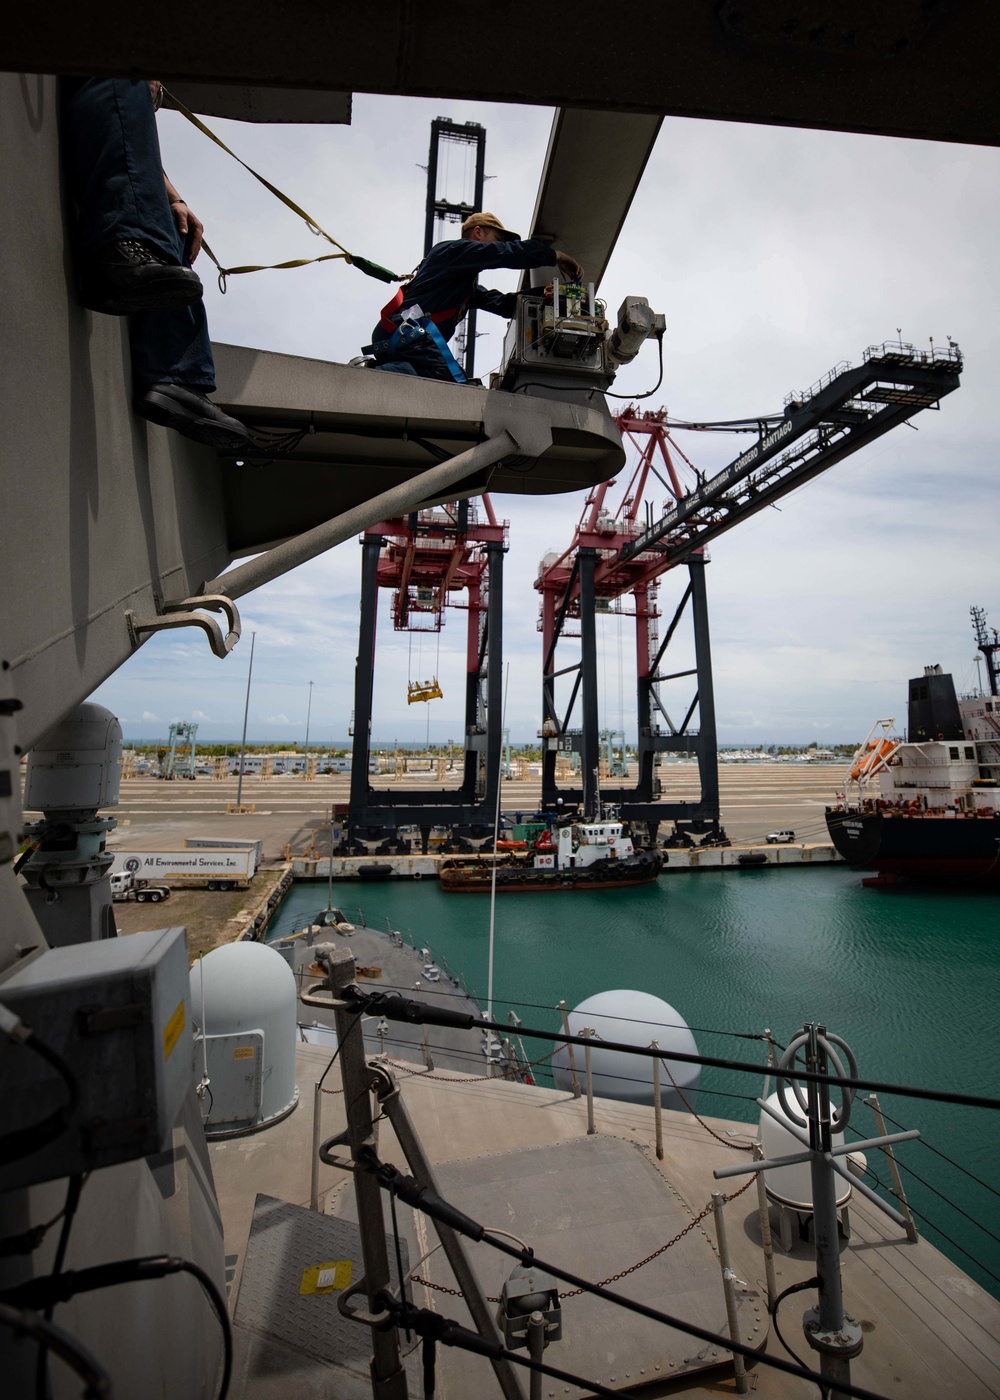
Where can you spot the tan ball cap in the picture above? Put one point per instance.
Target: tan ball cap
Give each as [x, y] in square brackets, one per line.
[485, 220]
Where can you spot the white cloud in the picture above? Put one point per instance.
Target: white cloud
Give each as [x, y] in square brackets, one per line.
[148, 716]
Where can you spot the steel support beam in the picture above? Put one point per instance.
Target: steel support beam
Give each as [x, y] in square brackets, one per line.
[829, 65]
[585, 216]
[364, 673]
[402, 499]
[590, 746]
[494, 677]
[707, 746]
[473, 804]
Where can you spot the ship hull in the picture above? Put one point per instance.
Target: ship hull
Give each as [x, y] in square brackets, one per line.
[603, 875]
[929, 849]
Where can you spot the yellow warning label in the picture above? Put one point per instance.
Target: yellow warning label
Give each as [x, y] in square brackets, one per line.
[326, 1278]
[172, 1030]
[244, 1052]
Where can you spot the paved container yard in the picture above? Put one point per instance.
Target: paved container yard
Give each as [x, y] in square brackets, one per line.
[756, 798]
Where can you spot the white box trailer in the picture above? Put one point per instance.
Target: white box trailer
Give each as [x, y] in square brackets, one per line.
[216, 869]
[235, 843]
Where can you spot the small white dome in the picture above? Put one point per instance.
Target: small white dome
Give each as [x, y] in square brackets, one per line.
[249, 1024]
[633, 1018]
[792, 1186]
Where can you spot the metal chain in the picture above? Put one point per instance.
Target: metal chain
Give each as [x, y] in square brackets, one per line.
[734, 1146]
[622, 1273]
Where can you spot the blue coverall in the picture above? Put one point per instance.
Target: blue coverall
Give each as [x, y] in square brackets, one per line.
[111, 156]
[446, 280]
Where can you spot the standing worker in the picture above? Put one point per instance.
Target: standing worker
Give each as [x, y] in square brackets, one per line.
[415, 327]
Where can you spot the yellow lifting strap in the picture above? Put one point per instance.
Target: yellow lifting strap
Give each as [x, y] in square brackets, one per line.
[423, 690]
[372, 269]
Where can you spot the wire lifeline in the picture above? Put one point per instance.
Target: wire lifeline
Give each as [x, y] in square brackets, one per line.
[371, 269]
[944, 1156]
[362, 1001]
[941, 1197]
[926, 1220]
[603, 1015]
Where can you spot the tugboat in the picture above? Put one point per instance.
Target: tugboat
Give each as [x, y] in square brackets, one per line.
[595, 855]
[927, 809]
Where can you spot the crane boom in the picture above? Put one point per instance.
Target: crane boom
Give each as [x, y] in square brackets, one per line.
[612, 555]
[847, 409]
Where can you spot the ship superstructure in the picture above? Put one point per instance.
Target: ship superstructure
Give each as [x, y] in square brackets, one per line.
[927, 808]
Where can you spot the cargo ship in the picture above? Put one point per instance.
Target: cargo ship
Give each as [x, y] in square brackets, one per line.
[926, 809]
[596, 855]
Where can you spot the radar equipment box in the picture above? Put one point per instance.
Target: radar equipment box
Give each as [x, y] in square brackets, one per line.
[560, 341]
[117, 1012]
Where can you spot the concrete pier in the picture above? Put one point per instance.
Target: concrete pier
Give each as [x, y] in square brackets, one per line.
[740, 858]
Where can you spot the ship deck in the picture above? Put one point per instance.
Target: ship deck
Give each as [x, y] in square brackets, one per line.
[520, 1157]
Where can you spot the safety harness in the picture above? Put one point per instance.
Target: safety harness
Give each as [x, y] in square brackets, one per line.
[414, 326]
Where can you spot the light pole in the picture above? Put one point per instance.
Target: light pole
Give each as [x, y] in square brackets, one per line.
[246, 711]
[329, 868]
[308, 716]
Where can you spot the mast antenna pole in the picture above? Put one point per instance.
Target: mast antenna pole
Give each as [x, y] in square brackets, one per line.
[496, 838]
[246, 712]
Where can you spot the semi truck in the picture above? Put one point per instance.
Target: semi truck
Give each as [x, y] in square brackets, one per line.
[125, 886]
[211, 869]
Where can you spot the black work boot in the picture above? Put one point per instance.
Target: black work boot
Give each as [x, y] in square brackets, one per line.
[134, 276]
[191, 413]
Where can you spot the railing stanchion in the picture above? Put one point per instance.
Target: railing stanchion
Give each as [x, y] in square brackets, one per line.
[897, 1180]
[765, 1231]
[316, 1135]
[574, 1077]
[729, 1288]
[587, 1033]
[657, 1106]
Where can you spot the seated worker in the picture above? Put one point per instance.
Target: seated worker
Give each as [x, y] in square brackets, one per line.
[135, 240]
[443, 288]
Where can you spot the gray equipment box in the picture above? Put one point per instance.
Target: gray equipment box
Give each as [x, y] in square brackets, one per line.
[117, 1012]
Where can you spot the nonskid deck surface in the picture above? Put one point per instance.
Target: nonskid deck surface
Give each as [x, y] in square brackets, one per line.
[402, 970]
[929, 1330]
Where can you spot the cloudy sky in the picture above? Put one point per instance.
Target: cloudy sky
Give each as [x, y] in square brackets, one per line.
[774, 254]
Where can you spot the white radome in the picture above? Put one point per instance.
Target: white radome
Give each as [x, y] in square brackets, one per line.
[634, 1018]
[249, 996]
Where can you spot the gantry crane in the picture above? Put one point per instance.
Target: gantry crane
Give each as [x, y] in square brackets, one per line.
[179, 762]
[425, 558]
[614, 555]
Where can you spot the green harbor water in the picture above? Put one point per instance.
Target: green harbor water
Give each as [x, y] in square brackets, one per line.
[909, 977]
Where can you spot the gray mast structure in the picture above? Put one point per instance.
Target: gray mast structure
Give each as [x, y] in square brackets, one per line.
[444, 135]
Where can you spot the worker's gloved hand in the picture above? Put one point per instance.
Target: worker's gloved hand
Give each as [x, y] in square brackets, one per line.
[569, 267]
